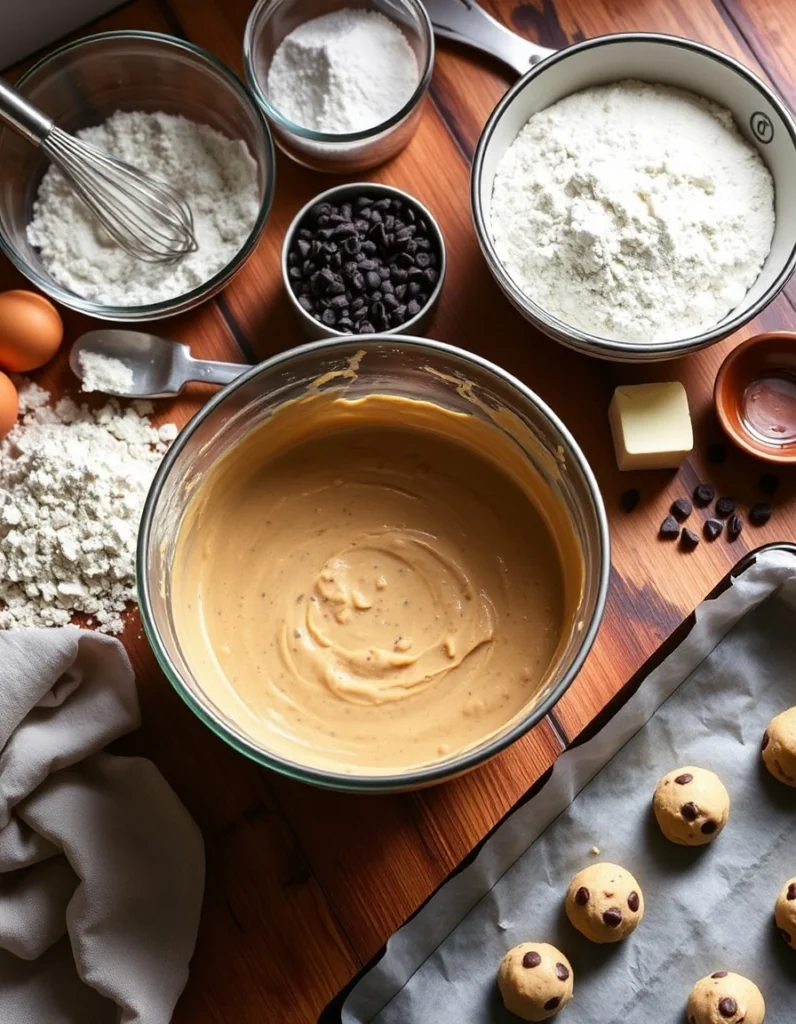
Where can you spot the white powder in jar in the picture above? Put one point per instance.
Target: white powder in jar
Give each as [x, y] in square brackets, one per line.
[346, 71]
[633, 211]
[216, 175]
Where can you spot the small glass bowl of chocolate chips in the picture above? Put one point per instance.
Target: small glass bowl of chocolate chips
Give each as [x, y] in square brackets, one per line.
[363, 258]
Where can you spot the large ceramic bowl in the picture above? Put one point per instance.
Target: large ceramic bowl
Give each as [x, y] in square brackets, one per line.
[761, 117]
[391, 365]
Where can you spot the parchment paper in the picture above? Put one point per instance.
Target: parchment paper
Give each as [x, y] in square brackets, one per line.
[707, 909]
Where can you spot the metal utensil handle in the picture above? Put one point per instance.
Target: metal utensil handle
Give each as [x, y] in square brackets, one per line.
[466, 22]
[211, 372]
[23, 117]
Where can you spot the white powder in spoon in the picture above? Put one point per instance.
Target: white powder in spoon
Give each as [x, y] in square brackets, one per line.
[103, 373]
[343, 72]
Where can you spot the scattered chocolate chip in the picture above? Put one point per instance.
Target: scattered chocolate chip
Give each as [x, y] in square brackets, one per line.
[612, 917]
[670, 529]
[633, 901]
[630, 499]
[766, 738]
[681, 509]
[719, 974]
[717, 453]
[791, 893]
[785, 935]
[703, 495]
[551, 1004]
[582, 896]
[769, 484]
[725, 507]
[690, 811]
[709, 828]
[688, 540]
[561, 972]
[728, 1007]
[712, 528]
[531, 959]
[684, 779]
[759, 514]
[734, 527]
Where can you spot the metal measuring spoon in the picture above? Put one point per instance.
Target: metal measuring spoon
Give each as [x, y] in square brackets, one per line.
[160, 368]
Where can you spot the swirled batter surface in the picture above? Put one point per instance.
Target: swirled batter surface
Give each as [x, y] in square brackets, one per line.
[373, 585]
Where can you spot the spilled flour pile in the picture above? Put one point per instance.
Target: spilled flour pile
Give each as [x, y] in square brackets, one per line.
[72, 486]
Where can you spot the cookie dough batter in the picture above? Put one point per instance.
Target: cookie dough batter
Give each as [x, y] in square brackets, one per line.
[691, 805]
[785, 913]
[725, 998]
[373, 585]
[604, 902]
[535, 980]
[779, 747]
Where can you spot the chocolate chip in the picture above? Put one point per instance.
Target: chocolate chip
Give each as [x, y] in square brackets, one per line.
[725, 508]
[688, 540]
[703, 495]
[684, 779]
[719, 974]
[734, 527]
[709, 828]
[791, 893]
[629, 499]
[769, 484]
[582, 896]
[681, 509]
[670, 529]
[531, 959]
[690, 811]
[766, 738]
[728, 1007]
[562, 973]
[551, 1004]
[717, 453]
[633, 901]
[612, 917]
[759, 514]
[712, 528]
[785, 935]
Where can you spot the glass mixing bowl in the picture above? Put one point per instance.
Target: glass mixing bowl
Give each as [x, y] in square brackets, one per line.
[82, 84]
[271, 20]
[395, 366]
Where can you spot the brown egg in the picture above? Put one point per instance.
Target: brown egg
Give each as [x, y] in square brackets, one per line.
[31, 330]
[9, 405]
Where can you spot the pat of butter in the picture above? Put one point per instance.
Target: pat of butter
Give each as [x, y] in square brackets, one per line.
[651, 425]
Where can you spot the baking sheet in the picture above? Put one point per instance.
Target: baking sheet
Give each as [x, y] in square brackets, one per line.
[707, 909]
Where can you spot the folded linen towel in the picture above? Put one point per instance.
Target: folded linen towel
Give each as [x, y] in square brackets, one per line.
[101, 867]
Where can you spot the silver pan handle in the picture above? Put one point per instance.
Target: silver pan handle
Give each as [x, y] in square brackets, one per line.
[465, 22]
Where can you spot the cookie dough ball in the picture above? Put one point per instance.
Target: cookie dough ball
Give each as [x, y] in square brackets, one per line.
[691, 805]
[779, 747]
[785, 913]
[535, 980]
[725, 998]
[604, 902]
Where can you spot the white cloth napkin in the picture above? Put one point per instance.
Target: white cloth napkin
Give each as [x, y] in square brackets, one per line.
[101, 867]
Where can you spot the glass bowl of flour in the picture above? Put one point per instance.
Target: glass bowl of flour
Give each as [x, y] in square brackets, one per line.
[341, 83]
[171, 109]
[635, 196]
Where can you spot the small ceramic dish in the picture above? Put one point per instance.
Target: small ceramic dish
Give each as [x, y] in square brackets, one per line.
[417, 324]
[755, 396]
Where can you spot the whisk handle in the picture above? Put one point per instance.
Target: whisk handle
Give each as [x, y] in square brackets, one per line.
[22, 116]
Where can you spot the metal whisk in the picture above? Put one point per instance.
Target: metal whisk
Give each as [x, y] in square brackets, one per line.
[146, 216]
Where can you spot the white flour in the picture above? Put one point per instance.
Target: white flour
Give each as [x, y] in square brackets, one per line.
[633, 211]
[346, 71]
[216, 175]
[72, 487]
[103, 373]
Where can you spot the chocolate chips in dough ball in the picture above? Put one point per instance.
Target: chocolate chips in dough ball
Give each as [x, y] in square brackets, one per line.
[691, 806]
[604, 902]
[535, 980]
[785, 913]
[779, 747]
[725, 998]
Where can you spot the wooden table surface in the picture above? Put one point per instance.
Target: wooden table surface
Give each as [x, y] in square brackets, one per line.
[304, 886]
